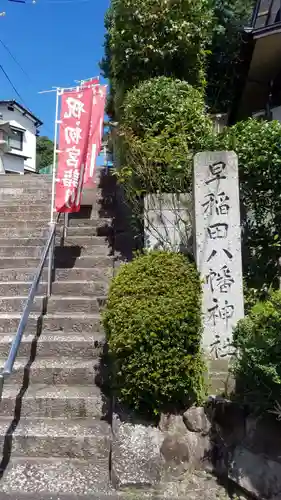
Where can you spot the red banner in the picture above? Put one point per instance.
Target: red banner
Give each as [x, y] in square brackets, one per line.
[96, 133]
[90, 83]
[76, 111]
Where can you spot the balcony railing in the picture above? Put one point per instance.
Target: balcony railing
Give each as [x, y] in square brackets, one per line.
[267, 13]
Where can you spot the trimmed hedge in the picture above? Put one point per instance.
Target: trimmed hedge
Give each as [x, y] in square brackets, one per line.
[166, 103]
[153, 326]
[258, 361]
[163, 123]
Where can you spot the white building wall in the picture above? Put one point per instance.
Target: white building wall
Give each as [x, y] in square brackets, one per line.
[17, 119]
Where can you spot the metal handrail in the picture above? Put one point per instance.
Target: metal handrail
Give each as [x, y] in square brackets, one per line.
[48, 251]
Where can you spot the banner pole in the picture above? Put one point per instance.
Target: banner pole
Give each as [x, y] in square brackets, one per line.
[55, 156]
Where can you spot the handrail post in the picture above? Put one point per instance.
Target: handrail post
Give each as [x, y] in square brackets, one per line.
[51, 266]
[65, 226]
[1, 385]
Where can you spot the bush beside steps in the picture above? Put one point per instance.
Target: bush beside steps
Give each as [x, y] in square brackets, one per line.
[153, 327]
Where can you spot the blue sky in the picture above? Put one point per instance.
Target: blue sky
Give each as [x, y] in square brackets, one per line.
[56, 42]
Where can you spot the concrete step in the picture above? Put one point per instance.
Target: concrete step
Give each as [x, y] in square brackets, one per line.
[27, 199]
[82, 439]
[40, 186]
[73, 322]
[61, 253]
[81, 288]
[56, 304]
[61, 261]
[97, 199]
[60, 371]
[102, 231]
[26, 178]
[18, 262]
[18, 274]
[78, 288]
[24, 222]
[53, 477]
[34, 196]
[112, 495]
[69, 252]
[30, 217]
[35, 211]
[54, 401]
[92, 261]
[25, 232]
[83, 305]
[28, 231]
[79, 221]
[25, 186]
[69, 241]
[19, 289]
[17, 304]
[84, 345]
[84, 273]
[28, 241]
[84, 241]
[32, 213]
[21, 251]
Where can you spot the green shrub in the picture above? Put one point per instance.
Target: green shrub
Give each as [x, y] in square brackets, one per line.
[163, 124]
[163, 102]
[258, 361]
[153, 325]
[148, 38]
[258, 146]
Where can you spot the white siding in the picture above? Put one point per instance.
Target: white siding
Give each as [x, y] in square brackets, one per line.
[17, 119]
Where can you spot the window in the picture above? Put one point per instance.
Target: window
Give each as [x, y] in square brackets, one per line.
[16, 141]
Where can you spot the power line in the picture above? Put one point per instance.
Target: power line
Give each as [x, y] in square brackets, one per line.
[12, 85]
[25, 73]
[14, 59]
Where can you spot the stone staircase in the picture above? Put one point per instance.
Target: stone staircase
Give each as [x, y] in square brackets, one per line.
[55, 437]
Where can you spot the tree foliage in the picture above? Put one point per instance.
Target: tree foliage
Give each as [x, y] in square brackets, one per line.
[146, 39]
[258, 360]
[153, 326]
[44, 152]
[258, 146]
[163, 124]
[224, 65]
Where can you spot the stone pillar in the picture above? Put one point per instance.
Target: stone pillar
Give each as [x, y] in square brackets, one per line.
[218, 246]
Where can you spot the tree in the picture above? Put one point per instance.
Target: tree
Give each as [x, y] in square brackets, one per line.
[44, 152]
[257, 144]
[147, 39]
[224, 65]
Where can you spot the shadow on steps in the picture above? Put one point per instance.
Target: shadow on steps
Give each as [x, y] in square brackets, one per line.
[65, 257]
[8, 441]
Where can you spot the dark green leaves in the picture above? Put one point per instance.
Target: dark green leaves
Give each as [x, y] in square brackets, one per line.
[258, 364]
[153, 324]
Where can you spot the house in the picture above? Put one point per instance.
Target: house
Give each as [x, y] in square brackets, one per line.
[260, 91]
[18, 131]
